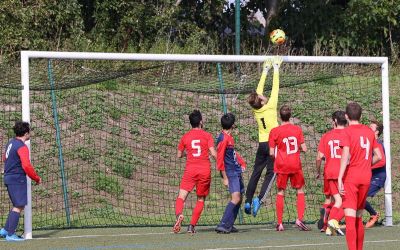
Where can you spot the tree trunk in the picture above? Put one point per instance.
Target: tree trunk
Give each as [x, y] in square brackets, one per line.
[271, 11]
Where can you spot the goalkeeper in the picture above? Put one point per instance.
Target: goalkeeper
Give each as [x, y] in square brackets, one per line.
[266, 116]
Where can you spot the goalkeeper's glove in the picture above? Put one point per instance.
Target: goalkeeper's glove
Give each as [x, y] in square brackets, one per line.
[276, 62]
[267, 65]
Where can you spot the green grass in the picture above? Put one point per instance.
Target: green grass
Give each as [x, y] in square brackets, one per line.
[249, 237]
[109, 184]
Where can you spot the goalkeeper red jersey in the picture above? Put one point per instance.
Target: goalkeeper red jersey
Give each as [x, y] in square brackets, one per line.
[197, 143]
[286, 139]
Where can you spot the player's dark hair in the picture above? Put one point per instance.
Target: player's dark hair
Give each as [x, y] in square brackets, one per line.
[285, 112]
[339, 117]
[195, 118]
[353, 111]
[254, 100]
[227, 121]
[379, 127]
[21, 128]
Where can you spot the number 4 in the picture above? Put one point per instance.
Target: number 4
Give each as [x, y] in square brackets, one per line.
[365, 145]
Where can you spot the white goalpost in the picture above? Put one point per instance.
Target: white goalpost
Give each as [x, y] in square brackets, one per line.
[26, 56]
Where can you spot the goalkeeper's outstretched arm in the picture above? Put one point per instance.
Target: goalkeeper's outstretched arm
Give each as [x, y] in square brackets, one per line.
[260, 87]
[273, 99]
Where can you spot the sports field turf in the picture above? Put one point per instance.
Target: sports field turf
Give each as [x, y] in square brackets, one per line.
[248, 237]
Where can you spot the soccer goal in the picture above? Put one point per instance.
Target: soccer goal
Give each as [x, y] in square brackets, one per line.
[106, 127]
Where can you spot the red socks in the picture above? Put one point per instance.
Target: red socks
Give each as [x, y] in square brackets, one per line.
[360, 233]
[198, 209]
[340, 214]
[351, 233]
[301, 205]
[335, 214]
[280, 200]
[197, 212]
[179, 206]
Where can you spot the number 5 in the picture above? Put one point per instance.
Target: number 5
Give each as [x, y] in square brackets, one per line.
[195, 145]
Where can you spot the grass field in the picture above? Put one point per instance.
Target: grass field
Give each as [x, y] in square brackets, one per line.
[248, 237]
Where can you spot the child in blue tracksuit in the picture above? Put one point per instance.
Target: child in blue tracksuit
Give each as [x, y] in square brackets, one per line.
[231, 166]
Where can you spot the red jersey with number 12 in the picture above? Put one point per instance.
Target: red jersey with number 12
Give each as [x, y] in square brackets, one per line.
[287, 140]
[197, 142]
[361, 141]
[331, 145]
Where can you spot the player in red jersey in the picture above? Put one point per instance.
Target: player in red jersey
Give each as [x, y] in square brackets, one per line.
[329, 149]
[355, 173]
[285, 142]
[198, 144]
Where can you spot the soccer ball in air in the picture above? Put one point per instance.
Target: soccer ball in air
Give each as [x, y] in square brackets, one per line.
[277, 36]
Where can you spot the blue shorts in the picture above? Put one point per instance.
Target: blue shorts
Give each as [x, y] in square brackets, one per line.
[236, 183]
[377, 182]
[18, 194]
[373, 189]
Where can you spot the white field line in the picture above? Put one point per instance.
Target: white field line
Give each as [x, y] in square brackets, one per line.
[98, 235]
[112, 235]
[299, 245]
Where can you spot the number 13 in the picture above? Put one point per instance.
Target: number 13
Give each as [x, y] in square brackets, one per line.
[291, 141]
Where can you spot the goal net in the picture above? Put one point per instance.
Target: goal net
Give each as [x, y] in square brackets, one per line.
[106, 129]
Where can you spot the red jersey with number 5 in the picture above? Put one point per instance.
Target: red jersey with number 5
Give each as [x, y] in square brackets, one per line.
[331, 145]
[286, 139]
[361, 141]
[197, 142]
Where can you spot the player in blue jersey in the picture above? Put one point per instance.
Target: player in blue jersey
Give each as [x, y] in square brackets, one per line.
[231, 166]
[378, 174]
[17, 167]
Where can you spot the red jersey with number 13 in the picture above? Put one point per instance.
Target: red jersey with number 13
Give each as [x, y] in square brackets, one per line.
[197, 142]
[361, 141]
[287, 140]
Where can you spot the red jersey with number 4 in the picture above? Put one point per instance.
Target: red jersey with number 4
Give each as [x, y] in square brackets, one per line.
[286, 139]
[361, 141]
[197, 142]
[331, 146]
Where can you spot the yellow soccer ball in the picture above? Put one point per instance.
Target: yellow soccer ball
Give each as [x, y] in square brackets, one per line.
[277, 36]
